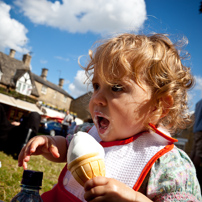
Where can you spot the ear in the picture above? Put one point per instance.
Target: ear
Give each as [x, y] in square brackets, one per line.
[166, 103]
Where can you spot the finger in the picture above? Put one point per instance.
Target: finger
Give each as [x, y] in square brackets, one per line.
[28, 150]
[21, 157]
[22, 162]
[96, 181]
[54, 151]
[95, 192]
[24, 165]
[35, 143]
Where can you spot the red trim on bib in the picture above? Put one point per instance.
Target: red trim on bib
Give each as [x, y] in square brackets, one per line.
[59, 193]
[162, 134]
[148, 166]
[120, 142]
[131, 139]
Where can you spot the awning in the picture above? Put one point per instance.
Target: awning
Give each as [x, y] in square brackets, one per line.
[28, 106]
[5, 99]
[52, 113]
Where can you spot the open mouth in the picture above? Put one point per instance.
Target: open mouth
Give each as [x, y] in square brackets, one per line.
[103, 123]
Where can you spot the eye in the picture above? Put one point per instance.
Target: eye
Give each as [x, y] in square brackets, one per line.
[95, 86]
[117, 88]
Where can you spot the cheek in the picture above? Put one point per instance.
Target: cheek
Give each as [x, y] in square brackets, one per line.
[90, 106]
[137, 112]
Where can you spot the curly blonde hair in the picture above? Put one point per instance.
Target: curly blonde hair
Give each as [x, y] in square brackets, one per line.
[152, 59]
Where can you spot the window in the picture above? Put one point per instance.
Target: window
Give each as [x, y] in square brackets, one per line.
[65, 99]
[44, 89]
[18, 86]
[24, 84]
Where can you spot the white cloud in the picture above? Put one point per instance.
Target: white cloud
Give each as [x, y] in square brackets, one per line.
[12, 32]
[196, 93]
[90, 15]
[43, 61]
[61, 58]
[198, 86]
[198, 83]
[79, 86]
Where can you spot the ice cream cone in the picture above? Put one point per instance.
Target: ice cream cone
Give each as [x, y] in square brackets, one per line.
[86, 167]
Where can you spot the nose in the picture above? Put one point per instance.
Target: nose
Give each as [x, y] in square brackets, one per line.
[99, 98]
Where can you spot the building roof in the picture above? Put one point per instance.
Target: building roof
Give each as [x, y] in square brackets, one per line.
[50, 85]
[12, 69]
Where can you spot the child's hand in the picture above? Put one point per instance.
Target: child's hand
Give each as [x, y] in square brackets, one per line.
[44, 145]
[108, 189]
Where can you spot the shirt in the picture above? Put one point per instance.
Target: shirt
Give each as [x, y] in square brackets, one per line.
[198, 117]
[66, 120]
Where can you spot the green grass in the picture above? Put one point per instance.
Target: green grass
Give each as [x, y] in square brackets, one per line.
[11, 174]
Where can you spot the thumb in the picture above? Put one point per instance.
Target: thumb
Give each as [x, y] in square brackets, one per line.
[54, 151]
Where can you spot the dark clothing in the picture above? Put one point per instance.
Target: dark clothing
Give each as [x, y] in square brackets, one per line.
[19, 134]
[32, 120]
[198, 117]
[64, 130]
[5, 128]
[196, 154]
[12, 138]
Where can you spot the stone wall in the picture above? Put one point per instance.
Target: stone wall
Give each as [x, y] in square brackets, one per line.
[53, 97]
[79, 106]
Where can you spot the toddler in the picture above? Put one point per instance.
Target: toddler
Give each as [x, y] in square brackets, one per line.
[139, 99]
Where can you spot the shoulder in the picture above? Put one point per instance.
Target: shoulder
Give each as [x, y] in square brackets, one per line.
[198, 106]
[199, 102]
[173, 175]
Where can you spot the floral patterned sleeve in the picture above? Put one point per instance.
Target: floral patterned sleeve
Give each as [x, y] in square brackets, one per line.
[173, 178]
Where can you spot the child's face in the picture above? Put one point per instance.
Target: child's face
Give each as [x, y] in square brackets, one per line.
[119, 111]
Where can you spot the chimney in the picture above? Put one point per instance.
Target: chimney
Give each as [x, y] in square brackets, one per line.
[27, 59]
[61, 82]
[12, 53]
[44, 73]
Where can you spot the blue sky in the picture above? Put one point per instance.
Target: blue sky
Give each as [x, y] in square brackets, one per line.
[57, 33]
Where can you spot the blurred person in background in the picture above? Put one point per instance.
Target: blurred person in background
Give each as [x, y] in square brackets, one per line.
[196, 154]
[20, 134]
[66, 123]
[72, 126]
[5, 128]
[14, 135]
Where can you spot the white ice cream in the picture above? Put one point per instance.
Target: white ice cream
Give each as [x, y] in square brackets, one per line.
[81, 144]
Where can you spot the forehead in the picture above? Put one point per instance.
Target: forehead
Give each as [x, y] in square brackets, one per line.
[106, 76]
[123, 79]
[111, 80]
[109, 73]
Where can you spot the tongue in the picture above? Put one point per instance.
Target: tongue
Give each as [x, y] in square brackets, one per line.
[104, 123]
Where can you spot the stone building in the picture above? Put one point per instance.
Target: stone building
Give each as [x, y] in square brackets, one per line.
[16, 74]
[21, 91]
[52, 97]
[18, 92]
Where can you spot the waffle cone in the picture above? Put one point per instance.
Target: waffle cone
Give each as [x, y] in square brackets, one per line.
[87, 167]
